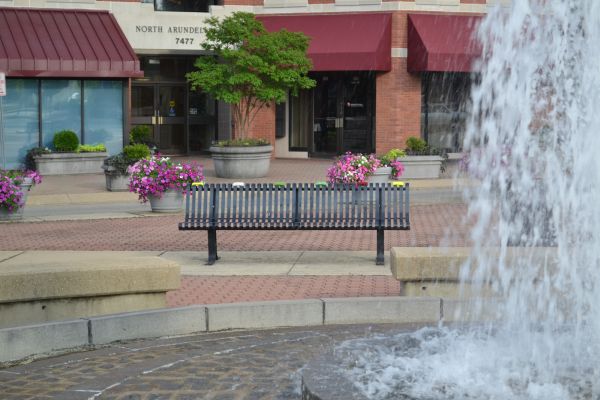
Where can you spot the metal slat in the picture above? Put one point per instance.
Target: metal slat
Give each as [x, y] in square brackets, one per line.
[206, 192]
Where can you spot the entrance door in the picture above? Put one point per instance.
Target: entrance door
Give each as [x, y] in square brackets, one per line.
[343, 110]
[162, 107]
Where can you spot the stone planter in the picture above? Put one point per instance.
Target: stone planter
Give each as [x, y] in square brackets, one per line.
[171, 201]
[116, 181]
[16, 215]
[241, 162]
[381, 175]
[69, 163]
[421, 167]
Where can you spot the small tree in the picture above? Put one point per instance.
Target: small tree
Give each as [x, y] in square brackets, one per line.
[252, 67]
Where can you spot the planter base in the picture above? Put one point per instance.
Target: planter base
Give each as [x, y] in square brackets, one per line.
[241, 162]
[117, 182]
[421, 167]
[69, 163]
[170, 202]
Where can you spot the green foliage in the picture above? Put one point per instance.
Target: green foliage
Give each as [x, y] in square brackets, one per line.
[32, 153]
[390, 156]
[251, 67]
[416, 145]
[66, 141]
[140, 134]
[248, 142]
[117, 164]
[136, 152]
[92, 148]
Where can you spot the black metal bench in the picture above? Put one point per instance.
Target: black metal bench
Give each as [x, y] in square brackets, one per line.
[294, 206]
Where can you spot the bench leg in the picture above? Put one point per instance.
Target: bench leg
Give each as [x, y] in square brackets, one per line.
[380, 241]
[212, 247]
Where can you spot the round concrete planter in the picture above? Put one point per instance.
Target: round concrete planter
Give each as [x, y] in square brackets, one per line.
[241, 162]
[17, 214]
[381, 175]
[170, 201]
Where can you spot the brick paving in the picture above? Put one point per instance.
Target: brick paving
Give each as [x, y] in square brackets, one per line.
[250, 365]
[236, 289]
[432, 225]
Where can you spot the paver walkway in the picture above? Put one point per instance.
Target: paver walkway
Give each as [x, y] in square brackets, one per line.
[249, 365]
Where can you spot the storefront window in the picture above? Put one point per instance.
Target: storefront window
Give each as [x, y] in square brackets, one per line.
[182, 5]
[21, 120]
[301, 120]
[445, 103]
[61, 108]
[103, 114]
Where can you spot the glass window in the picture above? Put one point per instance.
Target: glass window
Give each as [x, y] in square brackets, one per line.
[445, 102]
[301, 120]
[61, 108]
[103, 114]
[280, 120]
[21, 120]
[182, 5]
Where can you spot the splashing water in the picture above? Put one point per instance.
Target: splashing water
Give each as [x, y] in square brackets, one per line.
[532, 141]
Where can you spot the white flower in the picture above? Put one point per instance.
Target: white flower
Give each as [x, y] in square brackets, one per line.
[164, 159]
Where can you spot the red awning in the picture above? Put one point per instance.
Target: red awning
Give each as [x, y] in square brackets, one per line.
[64, 43]
[341, 42]
[442, 42]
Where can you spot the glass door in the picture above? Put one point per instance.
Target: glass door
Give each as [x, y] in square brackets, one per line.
[343, 113]
[162, 107]
[171, 114]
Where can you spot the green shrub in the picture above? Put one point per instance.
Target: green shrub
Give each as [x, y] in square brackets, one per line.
[416, 145]
[243, 142]
[136, 152]
[92, 148]
[66, 141]
[390, 156]
[140, 134]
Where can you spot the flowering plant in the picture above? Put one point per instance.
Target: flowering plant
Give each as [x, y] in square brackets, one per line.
[155, 175]
[353, 168]
[11, 191]
[390, 159]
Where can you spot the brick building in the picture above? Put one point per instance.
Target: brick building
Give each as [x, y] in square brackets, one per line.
[385, 70]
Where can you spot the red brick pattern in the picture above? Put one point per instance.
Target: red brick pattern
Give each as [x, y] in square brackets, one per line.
[428, 228]
[217, 290]
[398, 102]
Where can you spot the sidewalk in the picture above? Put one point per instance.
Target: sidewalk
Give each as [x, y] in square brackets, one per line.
[64, 197]
[77, 213]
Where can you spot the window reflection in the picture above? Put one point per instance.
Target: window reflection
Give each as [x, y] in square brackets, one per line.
[21, 120]
[182, 5]
[61, 108]
[445, 103]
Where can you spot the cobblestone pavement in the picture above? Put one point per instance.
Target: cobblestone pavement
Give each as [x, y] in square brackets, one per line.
[431, 225]
[261, 365]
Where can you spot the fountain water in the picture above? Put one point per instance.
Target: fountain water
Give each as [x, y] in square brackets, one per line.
[532, 140]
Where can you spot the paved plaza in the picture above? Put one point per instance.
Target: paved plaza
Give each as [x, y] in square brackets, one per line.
[76, 213]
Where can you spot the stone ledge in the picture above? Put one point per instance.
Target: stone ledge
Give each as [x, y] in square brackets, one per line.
[42, 286]
[21, 342]
[37, 275]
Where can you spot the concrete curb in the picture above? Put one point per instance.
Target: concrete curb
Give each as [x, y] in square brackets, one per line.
[60, 337]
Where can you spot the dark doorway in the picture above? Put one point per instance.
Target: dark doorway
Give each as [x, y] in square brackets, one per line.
[182, 120]
[343, 105]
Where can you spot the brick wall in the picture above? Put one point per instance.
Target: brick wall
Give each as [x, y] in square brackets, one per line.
[398, 107]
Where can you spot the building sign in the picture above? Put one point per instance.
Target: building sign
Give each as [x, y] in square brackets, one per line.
[183, 35]
[154, 32]
[2, 84]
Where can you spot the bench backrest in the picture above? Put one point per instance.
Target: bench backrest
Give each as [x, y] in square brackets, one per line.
[297, 205]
